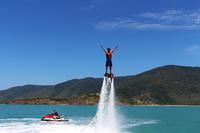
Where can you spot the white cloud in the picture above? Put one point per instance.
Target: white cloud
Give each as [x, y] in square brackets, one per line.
[175, 16]
[193, 50]
[127, 24]
[168, 20]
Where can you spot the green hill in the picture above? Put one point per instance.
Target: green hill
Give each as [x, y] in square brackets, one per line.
[164, 85]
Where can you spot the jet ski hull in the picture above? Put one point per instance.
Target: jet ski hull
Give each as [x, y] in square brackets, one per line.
[53, 118]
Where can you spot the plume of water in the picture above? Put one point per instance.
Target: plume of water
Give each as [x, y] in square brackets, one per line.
[101, 111]
[106, 121]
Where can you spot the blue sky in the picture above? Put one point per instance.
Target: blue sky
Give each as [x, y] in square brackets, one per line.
[50, 41]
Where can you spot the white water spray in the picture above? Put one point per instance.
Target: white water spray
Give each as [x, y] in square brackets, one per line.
[106, 114]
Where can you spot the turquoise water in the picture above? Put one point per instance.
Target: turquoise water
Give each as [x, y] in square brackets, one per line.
[133, 119]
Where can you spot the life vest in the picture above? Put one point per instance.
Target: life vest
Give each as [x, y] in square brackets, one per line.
[109, 55]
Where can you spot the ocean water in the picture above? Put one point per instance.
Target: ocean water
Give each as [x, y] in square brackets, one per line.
[131, 119]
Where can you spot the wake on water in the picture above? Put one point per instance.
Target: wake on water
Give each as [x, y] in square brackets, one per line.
[104, 121]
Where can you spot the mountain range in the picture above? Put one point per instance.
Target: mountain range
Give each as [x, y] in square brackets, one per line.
[166, 85]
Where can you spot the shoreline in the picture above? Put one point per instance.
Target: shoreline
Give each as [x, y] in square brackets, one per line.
[117, 105]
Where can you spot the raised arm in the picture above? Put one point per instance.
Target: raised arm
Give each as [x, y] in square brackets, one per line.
[114, 49]
[102, 48]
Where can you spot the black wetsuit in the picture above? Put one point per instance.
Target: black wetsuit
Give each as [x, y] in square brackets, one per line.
[56, 114]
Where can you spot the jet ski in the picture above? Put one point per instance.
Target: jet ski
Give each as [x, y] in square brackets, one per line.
[51, 117]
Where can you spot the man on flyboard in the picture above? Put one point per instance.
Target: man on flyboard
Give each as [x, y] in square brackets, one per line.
[108, 53]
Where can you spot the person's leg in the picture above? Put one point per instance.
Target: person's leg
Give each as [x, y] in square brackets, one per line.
[107, 65]
[110, 66]
[106, 69]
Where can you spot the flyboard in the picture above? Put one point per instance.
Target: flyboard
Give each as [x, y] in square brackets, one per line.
[109, 76]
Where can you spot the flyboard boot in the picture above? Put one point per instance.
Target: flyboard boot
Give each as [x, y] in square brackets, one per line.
[111, 76]
[106, 75]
